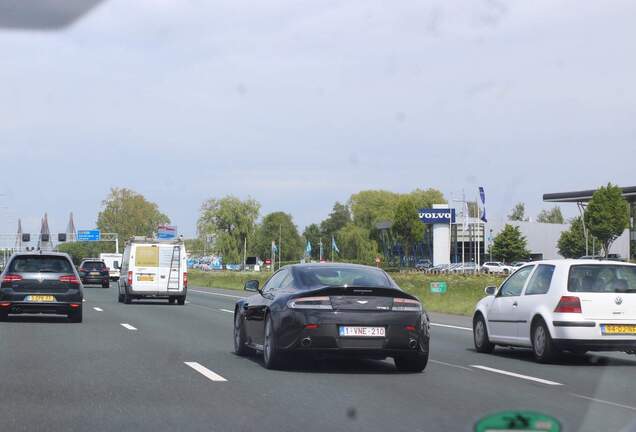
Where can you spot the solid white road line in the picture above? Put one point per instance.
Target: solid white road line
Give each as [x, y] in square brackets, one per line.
[216, 294]
[516, 375]
[450, 365]
[128, 326]
[205, 372]
[227, 310]
[603, 401]
[98, 309]
[452, 327]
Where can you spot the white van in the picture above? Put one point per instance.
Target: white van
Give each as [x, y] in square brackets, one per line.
[113, 262]
[153, 269]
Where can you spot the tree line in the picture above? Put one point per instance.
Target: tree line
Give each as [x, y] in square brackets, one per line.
[229, 226]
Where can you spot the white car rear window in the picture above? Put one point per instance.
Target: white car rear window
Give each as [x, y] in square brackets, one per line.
[602, 278]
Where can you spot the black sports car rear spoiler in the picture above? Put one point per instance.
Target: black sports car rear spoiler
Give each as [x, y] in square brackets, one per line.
[359, 291]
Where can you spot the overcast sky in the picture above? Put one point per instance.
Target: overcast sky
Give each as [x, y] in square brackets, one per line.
[302, 103]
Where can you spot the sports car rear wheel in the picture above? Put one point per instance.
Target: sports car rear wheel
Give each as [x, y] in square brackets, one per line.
[240, 347]
[272, 357]
[415, 362]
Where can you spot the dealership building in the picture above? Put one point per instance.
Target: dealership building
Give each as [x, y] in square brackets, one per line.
[470, 239]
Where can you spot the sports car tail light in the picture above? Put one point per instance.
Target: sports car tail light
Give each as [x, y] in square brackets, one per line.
[69, 279]
[406, 305]
[310, 303]
[12, 278]
[410, 328]
[5, 304]
[569, 304]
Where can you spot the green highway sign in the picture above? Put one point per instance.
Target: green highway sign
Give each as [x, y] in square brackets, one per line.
[439, 287]
[518, 421]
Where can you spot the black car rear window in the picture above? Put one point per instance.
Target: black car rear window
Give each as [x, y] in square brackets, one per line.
[40, 264]
[93, 265]
[323, 276]
[602, 278]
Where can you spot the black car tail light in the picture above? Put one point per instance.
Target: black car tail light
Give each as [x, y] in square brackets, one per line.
[406, 305]
[69, 279]
[11, 278]
[310, 303]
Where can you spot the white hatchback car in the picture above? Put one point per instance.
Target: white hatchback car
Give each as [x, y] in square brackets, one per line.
[550, 306]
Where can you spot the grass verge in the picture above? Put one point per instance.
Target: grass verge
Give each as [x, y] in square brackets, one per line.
[460, 299]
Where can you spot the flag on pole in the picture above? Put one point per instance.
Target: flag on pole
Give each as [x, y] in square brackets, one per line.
[482, 195]
[334, 246]
[308, 248]
[465, 211]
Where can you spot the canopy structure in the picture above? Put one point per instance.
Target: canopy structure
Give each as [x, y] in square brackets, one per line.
[581, 198]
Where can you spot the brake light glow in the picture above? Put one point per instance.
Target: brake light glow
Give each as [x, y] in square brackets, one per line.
[569, 304]
[69, 279]
[406, 305]
[130, 278]
[311, 326]
[410, 328]
[74, 305]
[5, 304]
[310, 303]
[12, 278]
[185, 279]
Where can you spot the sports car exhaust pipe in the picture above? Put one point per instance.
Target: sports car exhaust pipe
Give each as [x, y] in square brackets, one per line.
[412, 343]
[306, 342]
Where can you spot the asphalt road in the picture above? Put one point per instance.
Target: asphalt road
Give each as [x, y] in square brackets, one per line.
[153, 366]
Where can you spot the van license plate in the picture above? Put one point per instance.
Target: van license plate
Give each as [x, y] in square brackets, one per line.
[145, 278]
[347, 331]
[39, 299]
[618, 329]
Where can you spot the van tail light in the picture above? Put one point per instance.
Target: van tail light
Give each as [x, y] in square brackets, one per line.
[569, 304]
[69, 279]
[130, 278]
[185, 279]
[12, 278]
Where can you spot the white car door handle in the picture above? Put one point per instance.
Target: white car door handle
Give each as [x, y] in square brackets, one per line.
[515, 304]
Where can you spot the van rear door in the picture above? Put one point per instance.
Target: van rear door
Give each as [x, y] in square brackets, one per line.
[146, 277]
[170, 257]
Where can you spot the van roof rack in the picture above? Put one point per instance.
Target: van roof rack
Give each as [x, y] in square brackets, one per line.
[143, 239]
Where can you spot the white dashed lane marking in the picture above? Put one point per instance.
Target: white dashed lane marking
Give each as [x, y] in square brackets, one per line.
[98, 309]
[128, 326]
[516, 375]
[212, 376]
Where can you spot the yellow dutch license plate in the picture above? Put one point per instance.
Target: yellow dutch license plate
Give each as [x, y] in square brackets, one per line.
[619, 329]
[145, 278]
[40, 298]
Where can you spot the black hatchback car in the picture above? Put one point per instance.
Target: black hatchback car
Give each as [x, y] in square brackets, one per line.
[341, 309]
[94, 272]
[41, 283]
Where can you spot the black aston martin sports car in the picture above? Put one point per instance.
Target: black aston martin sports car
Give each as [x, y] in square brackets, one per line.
[332, 308]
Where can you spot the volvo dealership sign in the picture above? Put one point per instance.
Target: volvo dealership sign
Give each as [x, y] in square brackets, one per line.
[437, 216]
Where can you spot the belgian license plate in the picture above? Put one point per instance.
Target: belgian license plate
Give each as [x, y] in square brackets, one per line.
[618, 329]
[39, 298]
[349, 331]
[145, 278]
[94, 273]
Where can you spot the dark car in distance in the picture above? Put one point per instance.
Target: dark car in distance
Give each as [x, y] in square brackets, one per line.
[94, 272]
[342, 309]
[41, 283]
